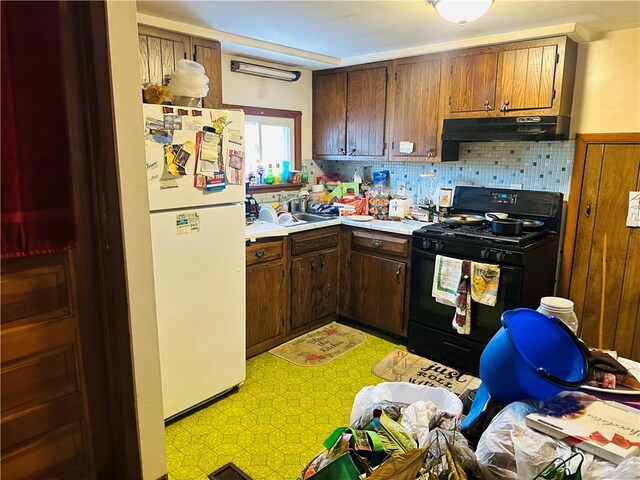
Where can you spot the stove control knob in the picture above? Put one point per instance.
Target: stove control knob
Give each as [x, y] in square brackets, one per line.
[500, 256]
[426, 244]
[484, 253]
[439, 246]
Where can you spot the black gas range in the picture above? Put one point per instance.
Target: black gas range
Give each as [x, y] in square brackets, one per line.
[527, 269]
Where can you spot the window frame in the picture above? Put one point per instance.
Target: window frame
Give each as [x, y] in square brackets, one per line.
[297, 138]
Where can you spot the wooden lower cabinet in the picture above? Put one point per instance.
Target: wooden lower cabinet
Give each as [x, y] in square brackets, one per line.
[267, 295]
[374, 279]
[314, 287]
[314, 277]
[379, 293]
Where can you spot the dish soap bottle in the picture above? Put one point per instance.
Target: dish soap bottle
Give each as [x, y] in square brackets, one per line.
[268, 177]
[277, 176]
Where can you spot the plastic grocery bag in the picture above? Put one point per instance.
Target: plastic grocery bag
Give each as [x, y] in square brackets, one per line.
[404, 392]
[509, 450]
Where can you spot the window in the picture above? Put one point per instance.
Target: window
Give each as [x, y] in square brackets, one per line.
[271, 137]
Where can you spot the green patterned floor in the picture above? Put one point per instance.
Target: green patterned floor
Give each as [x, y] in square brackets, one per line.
[275, 424]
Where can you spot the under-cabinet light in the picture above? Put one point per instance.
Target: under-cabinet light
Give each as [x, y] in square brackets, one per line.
[263, 71]
[461, 11]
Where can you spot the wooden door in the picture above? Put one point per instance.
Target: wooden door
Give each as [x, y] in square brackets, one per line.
[208, 54]
[330, 114]
[68, 405]
[303, 274]
[266, 304]
[159, 52]
[472, 86]
[379, 299]
[326, 284]
[604, 176]
[416, 112]
[44, 427]
[366, 112]
[526, 78]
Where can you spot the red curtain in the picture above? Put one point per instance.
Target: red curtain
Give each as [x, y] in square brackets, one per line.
[37, 191]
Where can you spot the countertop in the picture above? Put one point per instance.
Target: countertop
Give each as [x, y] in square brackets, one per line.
[260, 229]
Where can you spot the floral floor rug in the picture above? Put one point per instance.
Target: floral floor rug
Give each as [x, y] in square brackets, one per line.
[320, 346]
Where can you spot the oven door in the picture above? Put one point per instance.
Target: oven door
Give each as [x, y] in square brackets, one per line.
[485, 320]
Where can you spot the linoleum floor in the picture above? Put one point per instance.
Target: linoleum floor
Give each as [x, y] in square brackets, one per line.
[275, 423]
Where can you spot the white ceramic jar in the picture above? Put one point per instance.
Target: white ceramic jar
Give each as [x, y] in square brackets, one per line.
[561, 308]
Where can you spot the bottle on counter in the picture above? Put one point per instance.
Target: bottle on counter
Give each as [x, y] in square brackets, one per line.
[277, 174]
[268, 176]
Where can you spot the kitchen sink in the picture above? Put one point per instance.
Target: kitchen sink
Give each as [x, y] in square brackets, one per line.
[312, 218]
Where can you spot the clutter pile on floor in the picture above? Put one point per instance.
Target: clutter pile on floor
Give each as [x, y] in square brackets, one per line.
[526, 421]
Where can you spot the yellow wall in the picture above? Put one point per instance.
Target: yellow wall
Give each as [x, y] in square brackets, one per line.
[136, 228]
[243, 89]
[607, 88]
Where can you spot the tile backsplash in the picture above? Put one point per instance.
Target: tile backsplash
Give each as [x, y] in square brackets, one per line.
[535, 165]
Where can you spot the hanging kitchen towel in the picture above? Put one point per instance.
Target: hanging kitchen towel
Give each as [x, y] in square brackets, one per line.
[462, 318]
[446, 278]
[484, 283]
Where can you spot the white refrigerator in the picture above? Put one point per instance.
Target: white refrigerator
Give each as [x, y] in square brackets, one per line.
[198, 252]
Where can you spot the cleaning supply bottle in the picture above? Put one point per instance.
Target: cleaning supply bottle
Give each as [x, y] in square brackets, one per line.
[277, 175]
[269, 177]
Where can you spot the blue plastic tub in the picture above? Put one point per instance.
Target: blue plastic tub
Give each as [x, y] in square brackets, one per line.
[532, 357]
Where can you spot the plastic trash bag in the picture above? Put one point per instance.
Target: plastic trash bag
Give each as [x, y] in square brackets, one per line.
[404, 392]
[417, 419]
[449, 456]
[509, 450]
[601, 469]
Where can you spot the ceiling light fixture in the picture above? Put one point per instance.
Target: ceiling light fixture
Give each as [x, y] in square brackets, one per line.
[263, 71]
[461, 11]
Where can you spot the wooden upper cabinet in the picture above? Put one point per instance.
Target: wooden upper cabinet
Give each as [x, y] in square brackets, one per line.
[330, 113]
[533, 77]
[349, 112]
[416, 116]
[366, 108]
[526, 79]
[208, 54]
[473, 82]
[160, 50]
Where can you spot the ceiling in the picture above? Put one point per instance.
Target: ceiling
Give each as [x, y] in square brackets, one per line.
[321, 34]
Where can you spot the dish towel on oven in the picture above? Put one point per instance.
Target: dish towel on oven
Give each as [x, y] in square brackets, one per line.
[446, 278]
[462, 318]
[484, 283]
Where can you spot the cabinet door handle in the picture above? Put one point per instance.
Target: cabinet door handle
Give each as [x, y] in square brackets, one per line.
[376, 243]
[342, 151]
[313, 265]
[487, 106]
[587, 211]
[398, 270]
[505, 107]
[322, 262]
[352, 153]
[259, 253]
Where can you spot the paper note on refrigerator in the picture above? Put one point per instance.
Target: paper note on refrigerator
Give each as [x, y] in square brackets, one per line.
[187, 223]
[633, 214]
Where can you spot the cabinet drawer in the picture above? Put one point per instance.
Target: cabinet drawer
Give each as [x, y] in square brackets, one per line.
[380, 243]
[314, 240]
[263, 252]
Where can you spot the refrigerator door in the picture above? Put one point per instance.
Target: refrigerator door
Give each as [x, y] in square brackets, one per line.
[185, 195]
[199, 271]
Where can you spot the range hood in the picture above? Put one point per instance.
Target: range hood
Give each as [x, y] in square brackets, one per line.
[505, 129]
